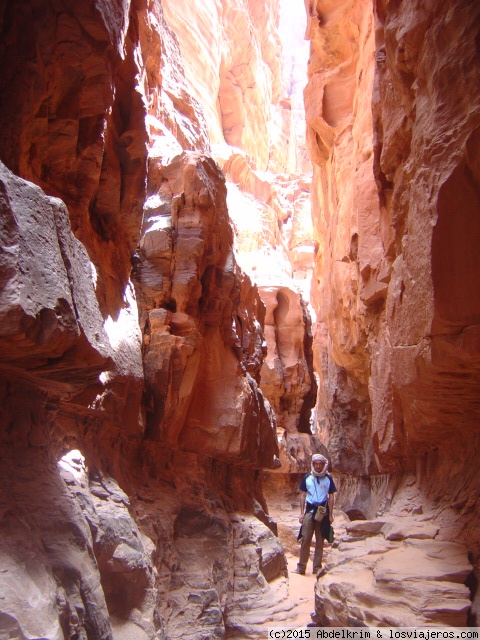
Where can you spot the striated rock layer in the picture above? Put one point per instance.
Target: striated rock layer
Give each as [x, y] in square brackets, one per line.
[394, 571]
[137, 357]
[231, 57]
[69, 378]
[393, 116]
[128, 334]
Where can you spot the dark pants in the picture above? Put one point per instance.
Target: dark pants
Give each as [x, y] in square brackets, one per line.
[309, 527]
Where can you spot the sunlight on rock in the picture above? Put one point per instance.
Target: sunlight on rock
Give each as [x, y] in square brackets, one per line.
[74, 462]
[124, 328]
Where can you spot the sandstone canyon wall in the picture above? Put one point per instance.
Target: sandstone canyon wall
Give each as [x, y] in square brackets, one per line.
[393, 110]
[133, 430]
[256, 124]
[140, 144]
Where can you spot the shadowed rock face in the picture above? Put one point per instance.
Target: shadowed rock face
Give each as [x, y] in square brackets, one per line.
[69, 378]
[154, 378]
[76, 121]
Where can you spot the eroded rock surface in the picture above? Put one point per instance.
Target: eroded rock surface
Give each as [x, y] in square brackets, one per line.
[201, 321]
[395, 191]
[129, 332]
[160, 397]
[64, 374]
[397, 570]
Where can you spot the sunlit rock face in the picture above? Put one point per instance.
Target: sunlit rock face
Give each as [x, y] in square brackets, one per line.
[201, 320]
[286, 374]
[274, 244]
[392, 126]
[268, 178]
[345, 205]
[231, 56]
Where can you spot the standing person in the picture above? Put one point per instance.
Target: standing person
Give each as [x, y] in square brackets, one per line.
[317, 491]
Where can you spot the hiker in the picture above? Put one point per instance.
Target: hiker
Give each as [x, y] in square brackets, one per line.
[316, 512]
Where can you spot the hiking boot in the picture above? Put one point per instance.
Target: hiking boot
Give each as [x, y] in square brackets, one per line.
[299, 571]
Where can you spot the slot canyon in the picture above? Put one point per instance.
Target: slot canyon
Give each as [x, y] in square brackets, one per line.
[235, 233]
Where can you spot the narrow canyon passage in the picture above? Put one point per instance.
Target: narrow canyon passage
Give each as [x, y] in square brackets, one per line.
[235, 233]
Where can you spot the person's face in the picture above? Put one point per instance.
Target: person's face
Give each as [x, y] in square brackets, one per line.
[318, 465]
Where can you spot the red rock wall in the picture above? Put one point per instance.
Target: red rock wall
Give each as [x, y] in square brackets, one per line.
[392, 122]
[127, 331]
[230, 53]
[393, 116]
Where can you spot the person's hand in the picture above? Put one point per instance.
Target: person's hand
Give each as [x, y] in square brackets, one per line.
[331, 517]
[301, 519]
